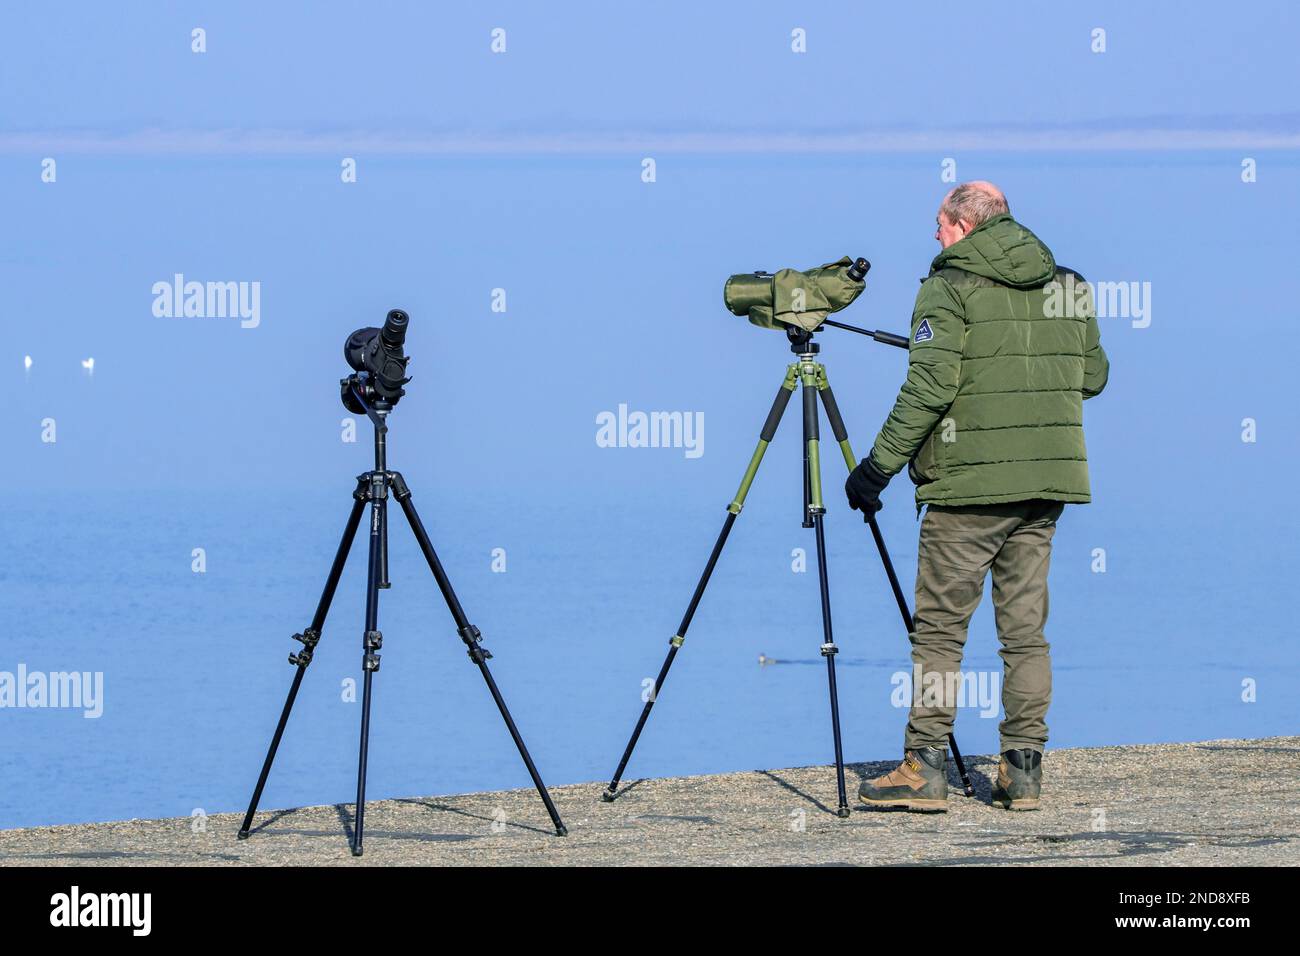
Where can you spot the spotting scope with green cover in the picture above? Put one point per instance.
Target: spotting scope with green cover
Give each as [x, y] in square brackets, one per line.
[790, 298]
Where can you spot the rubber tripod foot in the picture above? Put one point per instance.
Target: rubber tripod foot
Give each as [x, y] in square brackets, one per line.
[356, 851]
[243, 835]
[608, 796]
[842, 813]
[561, 830]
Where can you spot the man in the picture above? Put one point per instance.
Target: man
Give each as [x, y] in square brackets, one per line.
[1004, 348]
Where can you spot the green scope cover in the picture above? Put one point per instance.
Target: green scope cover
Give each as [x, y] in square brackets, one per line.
[790, 297]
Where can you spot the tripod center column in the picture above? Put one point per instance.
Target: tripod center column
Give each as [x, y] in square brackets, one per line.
[808, 377]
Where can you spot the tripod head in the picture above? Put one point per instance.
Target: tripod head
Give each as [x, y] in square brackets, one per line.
[801, 342]
[884, 338]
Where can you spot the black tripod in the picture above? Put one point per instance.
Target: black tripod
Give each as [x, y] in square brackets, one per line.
[812, 375]
[373, 487]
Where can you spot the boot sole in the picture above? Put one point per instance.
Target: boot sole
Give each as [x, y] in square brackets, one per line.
[923, 805]
[1027, 803]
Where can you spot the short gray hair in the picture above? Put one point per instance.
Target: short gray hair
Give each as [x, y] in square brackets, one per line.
[976, 202]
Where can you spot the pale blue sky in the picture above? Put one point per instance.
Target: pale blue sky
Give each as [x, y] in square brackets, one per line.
[419, 68]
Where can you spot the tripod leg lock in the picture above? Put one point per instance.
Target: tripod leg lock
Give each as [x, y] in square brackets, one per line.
[309, 638]
[370, 662]
[401, 491]
[829, 649]
[677, 640]
[473, 641]
[374, 640]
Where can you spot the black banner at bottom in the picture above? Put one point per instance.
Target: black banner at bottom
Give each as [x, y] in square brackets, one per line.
[333, 905]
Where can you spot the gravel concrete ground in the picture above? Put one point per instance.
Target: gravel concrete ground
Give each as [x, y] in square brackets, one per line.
[1224, 802]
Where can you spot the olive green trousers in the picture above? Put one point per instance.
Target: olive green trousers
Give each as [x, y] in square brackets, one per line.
[959, 546]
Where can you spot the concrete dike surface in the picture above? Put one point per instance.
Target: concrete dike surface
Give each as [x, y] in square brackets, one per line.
[1218, 803]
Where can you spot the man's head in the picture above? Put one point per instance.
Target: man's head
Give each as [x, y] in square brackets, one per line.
[966, 207]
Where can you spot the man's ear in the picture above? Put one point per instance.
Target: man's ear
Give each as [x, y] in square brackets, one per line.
[966, 227]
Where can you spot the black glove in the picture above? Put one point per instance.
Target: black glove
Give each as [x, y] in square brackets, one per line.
[864, 486]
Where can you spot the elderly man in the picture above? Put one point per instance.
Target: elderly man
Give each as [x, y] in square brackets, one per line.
[989, 425]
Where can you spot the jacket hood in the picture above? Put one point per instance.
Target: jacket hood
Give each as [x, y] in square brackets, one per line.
[1002, 250]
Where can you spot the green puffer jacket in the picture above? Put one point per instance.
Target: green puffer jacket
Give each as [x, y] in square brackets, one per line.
[1004, 349]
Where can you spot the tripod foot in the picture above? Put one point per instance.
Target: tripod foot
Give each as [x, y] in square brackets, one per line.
[356, 850]
[243, 835]
[608, 796]
[561, 830]
[842, 813]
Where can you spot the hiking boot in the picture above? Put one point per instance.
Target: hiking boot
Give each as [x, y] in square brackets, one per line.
[920, 782]
[1020, 778]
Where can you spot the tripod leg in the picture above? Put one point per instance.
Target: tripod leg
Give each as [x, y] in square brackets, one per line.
[842, 436]
[737, 503]
[309, 639]
[815, 510]
[383, 550]
[472, 638]
[372, 640]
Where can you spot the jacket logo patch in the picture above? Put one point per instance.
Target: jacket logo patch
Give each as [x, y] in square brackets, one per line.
[923, 332]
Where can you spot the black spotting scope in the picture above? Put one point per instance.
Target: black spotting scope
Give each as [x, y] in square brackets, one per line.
[377, 358]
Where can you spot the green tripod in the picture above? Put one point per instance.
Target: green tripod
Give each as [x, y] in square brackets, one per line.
[809, 374]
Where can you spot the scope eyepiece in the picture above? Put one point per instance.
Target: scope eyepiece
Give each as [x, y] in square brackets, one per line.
[394, 331]
[858, 271]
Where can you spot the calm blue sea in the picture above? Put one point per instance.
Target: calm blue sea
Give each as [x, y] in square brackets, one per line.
[1155, 649]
